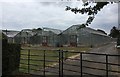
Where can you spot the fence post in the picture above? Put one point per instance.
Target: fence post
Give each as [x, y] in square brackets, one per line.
[106, 65]
[81, 64]
[59, 63]
[62, 57]
[66, 55]
[29, 61]
[44, 63]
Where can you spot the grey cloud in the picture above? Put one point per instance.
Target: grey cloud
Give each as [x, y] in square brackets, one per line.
[47, 3]
[52, 14]
[58, 4]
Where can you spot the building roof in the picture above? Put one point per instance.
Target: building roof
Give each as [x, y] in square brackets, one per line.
[56, 31]
[29, 31]
[10, 33]
[26, 30]
[74, 28]
[93, 31]
[71, 29]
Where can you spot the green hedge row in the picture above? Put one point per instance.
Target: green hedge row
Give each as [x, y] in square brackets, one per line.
[10, 57]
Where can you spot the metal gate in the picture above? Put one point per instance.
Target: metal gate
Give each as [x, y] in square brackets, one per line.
[61, 64]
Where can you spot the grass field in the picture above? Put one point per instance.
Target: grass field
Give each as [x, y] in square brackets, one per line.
[37, 65]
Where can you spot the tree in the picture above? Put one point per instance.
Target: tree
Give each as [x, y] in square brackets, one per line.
[39, 29]
[91, 11]
[114, 32]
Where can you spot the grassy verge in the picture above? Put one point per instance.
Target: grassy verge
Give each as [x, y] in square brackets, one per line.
[37, 65]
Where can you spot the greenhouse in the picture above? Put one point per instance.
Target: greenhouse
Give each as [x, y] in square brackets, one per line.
[10, 35]
[73, 36]
[22, 37]
[45, 37]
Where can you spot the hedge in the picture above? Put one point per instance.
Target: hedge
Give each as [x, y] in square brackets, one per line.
[10, 57]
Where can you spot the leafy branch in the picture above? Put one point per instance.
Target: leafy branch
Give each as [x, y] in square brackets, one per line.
[90, 11]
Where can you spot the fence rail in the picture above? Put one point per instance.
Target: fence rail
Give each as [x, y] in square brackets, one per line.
[60, 62]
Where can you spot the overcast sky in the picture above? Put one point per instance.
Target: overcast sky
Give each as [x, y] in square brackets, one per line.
[34, 14]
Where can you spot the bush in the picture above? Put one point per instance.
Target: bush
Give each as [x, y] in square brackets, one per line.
[10, 57]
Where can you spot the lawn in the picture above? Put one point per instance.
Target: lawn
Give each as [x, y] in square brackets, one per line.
[36, 62]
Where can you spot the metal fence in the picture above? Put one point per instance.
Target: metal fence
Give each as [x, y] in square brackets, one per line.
[75, 66]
